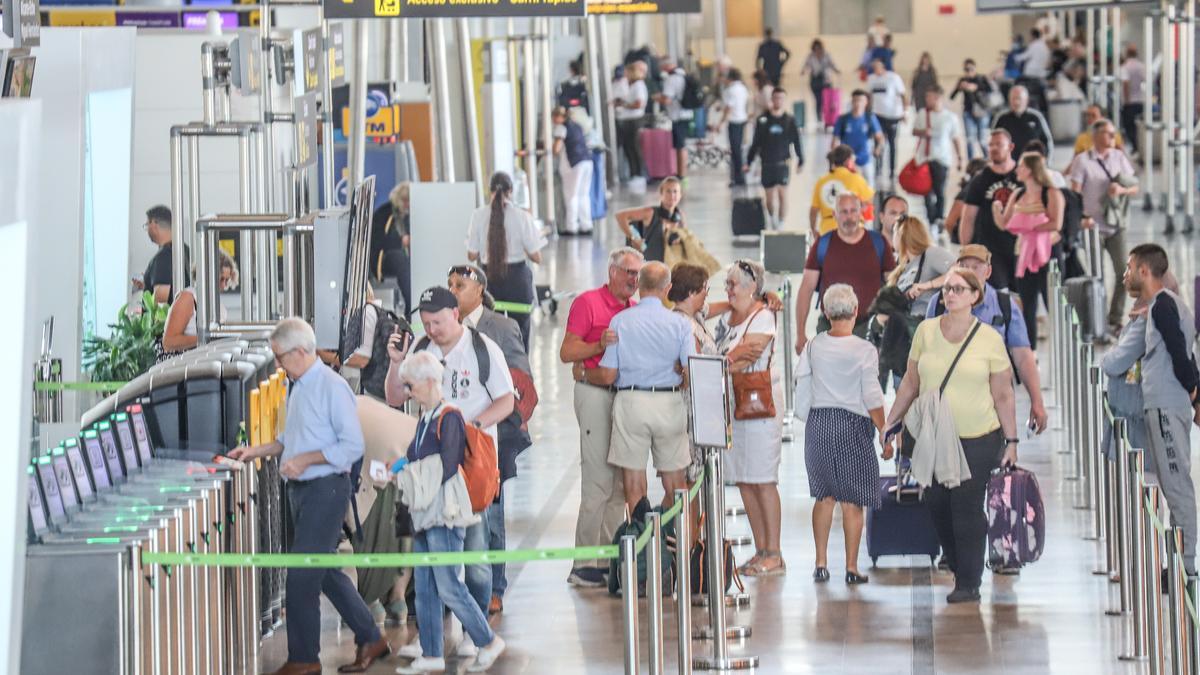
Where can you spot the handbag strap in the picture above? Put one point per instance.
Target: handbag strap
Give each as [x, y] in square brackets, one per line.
[928, 136]
[963, 348]
[746, 331]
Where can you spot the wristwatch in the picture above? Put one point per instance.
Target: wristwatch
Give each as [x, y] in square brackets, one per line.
[1012, 441]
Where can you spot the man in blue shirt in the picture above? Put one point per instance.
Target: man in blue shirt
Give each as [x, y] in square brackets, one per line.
[860, 129]
[321, 441]
[1010, 324]
[646, 365]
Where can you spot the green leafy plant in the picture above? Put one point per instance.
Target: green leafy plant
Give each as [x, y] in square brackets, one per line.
[129, 351]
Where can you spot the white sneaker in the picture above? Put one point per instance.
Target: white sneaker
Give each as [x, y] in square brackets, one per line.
[412, 650]
[454, 634]
[466, 649]
[487, 656]
[423, 665]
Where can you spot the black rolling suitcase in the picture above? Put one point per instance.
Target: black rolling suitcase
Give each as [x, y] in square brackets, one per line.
[1087, 294]
[749, 214]
[902, 525]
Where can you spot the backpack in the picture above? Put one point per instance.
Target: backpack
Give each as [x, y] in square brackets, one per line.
[877, 241]
[480, 470]
[374, 374]
[1072, 225]
[636, 526]
[693, 93]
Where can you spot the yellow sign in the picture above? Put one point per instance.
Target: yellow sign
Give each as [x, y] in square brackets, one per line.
[387, 7]
[83, 17]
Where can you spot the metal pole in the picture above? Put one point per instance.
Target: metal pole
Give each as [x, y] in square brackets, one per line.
[177, 252]
[1081, 437]
[629, 603]
[1086, 443]
[1090, 46]
[268, 166]
[392, 49]
[1117, 97]
[207, 85]
[1187, 111]
[245, 239]
[1168, 113]
[1153, 589]
[328, 175]
[610, 122]
[529, 122]
[654, 591]
[1121, 534]
[1102, 87]
[1136, 553]
[185, 233]
[1176, 611]
[1096, 411]
[357, 150]
[718, 29]
[405, 58]
[683, 578]
[1148, 124]
[467, 73]
[789, 394]
[1109, 471]
[547, 82]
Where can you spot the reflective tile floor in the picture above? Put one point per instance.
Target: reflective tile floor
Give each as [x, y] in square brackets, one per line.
[1049, 619]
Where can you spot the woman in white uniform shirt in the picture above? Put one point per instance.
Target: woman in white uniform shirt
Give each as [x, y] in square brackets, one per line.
[503, 238]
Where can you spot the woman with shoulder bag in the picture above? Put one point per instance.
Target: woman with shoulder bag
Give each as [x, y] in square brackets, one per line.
[966, 366]
[839, 396]
[746, 336]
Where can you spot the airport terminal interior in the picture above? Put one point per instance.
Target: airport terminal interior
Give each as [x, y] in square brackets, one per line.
[777, 336]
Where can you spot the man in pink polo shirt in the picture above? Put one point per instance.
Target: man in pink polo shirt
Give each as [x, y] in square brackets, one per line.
[602, 499]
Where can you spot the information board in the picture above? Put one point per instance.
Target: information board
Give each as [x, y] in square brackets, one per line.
[452, 9]
[306, 130]
[708, 396]
[336, 49]
[23, 22]
[306, 50]
[643, 7]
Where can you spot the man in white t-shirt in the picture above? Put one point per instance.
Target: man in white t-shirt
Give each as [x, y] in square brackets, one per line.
[484, 402]
[889, 102]
[629, 98]
[940, 143]
[1133, 79]
[735, 111]
[671, 98]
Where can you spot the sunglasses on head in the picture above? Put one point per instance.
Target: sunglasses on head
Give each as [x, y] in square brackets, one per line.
[748, 269]
[465, 271]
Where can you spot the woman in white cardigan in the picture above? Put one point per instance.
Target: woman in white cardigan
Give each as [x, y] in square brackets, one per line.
[845, 401]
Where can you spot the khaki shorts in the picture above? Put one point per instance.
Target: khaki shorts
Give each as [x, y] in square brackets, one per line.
[645, 422]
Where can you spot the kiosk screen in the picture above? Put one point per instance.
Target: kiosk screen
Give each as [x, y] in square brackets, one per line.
[112, 455]
[37, 509]
[140, 434]
[65, 479]
[125, 436]
[79, 470]
[54, 500]
[95, 456]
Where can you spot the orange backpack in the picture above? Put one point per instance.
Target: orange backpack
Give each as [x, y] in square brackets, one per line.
[480, 468]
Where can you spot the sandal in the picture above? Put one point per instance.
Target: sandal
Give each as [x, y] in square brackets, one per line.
[750, 567]
[761, 569]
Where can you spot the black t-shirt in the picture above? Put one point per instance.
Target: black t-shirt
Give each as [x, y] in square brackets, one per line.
[971, 99]
[158, 272]
[771, 53]
[985, 188]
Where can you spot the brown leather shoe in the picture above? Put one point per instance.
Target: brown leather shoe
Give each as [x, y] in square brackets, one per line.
[297, 668]
[496, 606]
[366, 655]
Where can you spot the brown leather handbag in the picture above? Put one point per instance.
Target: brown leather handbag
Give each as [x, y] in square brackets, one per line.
[753, 397]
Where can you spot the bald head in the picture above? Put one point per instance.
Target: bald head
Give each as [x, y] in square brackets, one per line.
[654, 279]
[1018, 99]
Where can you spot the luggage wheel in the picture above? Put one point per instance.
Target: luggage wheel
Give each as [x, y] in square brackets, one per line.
[874, 560]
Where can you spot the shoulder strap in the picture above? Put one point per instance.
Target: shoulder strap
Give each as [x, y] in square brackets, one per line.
[484, 359]
[1005, 307]
[746, 331]
[920, 266]
[963, 348]
[1101, 163]
[879, 243]
[822, 249]
[421, 345]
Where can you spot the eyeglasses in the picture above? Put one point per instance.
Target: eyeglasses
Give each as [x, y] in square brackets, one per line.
[956, 290]
[629, 272]
[279, 355]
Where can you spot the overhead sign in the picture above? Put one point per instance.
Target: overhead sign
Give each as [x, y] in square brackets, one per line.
[306, 130]
[336, 55]
[643, 7]
[306, 52]
[23, 22]
[452, 9]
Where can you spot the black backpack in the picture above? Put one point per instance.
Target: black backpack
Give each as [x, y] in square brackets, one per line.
[374, 374]
[693, 93]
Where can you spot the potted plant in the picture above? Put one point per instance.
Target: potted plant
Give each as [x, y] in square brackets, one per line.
[130, 350]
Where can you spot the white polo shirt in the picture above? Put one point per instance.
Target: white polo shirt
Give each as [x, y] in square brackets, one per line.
[460, 382]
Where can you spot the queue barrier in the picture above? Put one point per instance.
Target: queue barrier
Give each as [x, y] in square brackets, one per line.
[1142, 554]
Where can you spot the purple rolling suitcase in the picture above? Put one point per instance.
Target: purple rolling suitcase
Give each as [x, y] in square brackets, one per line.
[900, 526]
[1016, 519]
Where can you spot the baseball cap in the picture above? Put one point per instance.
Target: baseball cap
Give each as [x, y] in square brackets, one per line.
[977, 251]
[436, 299]
[471, 272]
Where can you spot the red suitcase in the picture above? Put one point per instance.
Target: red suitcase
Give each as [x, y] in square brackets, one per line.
[658, 154]
[831, 105]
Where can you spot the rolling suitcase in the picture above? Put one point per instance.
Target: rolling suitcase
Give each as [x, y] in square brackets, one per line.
[657, 153]
[599, 191]
[1086, 293]
[1016, 519]
[749, 215]
[799, 112]
[831, 105]
[899, 526]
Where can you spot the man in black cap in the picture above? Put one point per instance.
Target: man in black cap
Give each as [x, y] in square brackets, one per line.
[477, 382]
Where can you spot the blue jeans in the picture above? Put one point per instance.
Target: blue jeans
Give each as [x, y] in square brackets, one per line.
[317, 508]
[497, 542]
[479, 577]
[439, 587]
[976, 130]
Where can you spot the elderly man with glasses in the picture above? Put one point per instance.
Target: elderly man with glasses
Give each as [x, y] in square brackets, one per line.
[602, 497]
[321, 441]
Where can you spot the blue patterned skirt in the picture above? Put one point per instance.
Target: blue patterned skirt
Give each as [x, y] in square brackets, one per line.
[839, 454]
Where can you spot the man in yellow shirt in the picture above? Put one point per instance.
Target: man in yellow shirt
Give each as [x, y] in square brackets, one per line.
[1083, 142]
[842, 178]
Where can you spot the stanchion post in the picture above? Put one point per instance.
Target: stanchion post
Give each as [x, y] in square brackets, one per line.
[629, 602]
[1120, 538]
[1099, 419]
[1108, 485]
[1152, 591]
[1136, 552]
[1088, 440]
[1052, 308]
[654, 591]
[683, 578]
[1080, 416]
[1177, 610]
[788, 376]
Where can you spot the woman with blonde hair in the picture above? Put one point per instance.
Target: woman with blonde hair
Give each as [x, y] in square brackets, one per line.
[179, 334]
[1034, 213]
[920, 265]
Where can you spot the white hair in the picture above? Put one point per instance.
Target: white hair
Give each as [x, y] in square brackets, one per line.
[421, 367]
[294, 333]
[840, 302]
[618, 254]
[755, 276]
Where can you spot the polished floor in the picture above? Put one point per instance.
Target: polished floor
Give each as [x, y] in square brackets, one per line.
[1049, 619]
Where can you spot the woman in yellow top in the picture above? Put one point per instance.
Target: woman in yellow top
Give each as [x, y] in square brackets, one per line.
[982, 403]
[843, 177]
